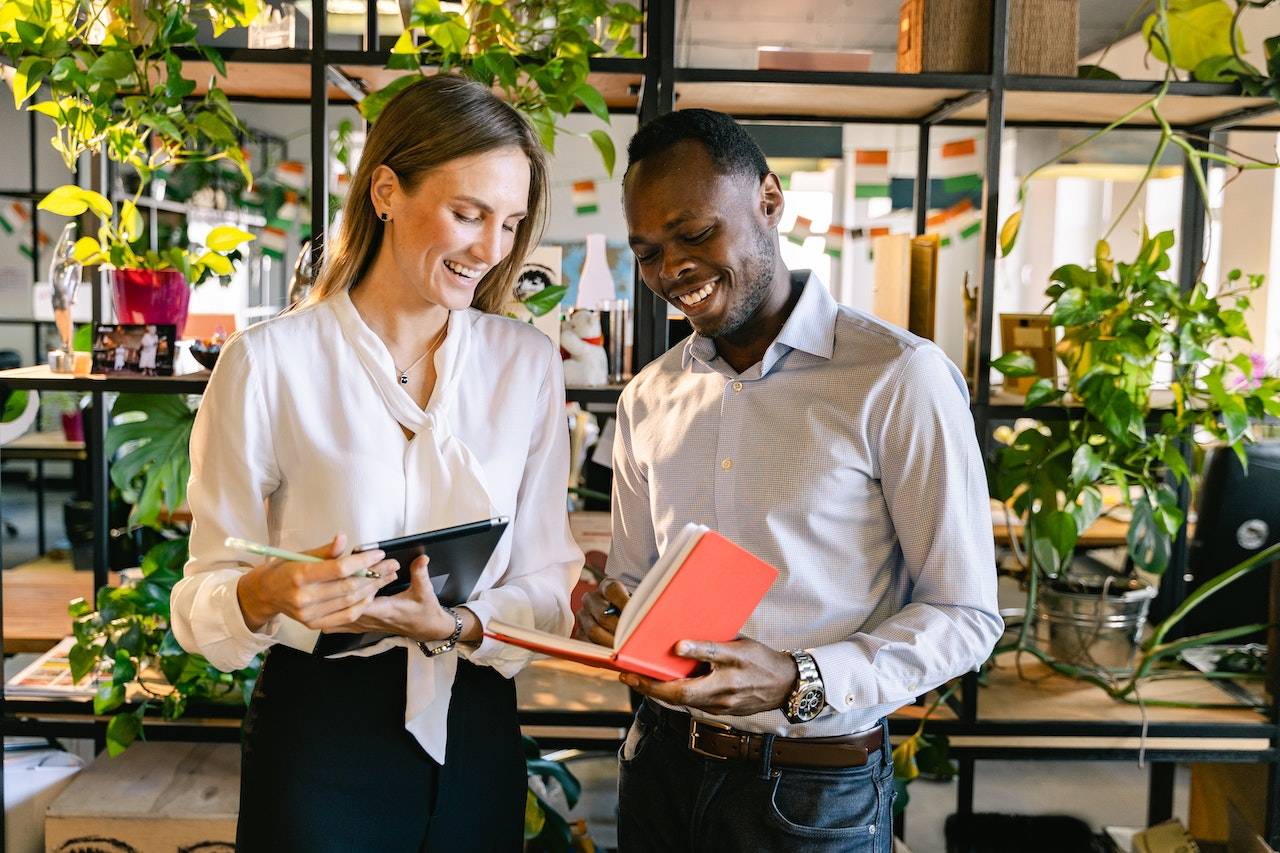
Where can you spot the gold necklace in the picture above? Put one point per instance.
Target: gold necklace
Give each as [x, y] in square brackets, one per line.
[404, 374]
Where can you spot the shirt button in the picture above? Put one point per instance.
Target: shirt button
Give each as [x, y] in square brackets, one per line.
[737, 386]
[726, 464]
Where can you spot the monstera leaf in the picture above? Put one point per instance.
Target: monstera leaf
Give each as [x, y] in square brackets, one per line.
[151, 432]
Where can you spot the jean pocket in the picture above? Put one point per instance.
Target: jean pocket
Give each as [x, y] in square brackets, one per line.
[638, 736]
[828, 803]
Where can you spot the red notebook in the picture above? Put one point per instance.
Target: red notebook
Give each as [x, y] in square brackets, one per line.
[703, 588]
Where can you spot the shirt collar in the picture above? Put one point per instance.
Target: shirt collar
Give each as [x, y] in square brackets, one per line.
[811, 328]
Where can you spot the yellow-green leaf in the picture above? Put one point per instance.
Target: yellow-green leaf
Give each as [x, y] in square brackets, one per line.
[405, 44]
[97, 203]
[1009, 233]
[1198, 30]
[66, 200]
[904, 759]
[219, 264]
[224, 238]
[85, 248]
[130, 221]
[26, 80]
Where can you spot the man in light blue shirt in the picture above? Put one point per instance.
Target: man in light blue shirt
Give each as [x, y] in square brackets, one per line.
[827, 442]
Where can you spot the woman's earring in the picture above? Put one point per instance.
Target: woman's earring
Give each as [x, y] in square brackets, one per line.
[385, 216]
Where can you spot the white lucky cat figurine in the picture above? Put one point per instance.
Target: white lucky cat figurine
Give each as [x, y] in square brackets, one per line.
[582, 347]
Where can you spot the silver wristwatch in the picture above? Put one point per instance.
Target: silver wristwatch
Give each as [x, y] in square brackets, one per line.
[808, 698]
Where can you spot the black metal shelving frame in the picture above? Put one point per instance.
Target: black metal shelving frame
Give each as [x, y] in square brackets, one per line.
[979, 100]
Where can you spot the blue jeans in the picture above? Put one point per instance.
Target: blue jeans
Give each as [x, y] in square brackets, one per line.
[671, 799]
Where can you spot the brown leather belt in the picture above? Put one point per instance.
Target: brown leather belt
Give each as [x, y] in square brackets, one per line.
[714, 740]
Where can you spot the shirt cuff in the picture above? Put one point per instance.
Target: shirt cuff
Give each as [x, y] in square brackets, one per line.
[504, 657]
[845, 691]
[224, 597]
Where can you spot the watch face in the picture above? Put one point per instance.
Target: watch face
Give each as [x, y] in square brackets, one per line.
[809, 704]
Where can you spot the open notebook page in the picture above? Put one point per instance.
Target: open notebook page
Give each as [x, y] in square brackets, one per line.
[656, 580]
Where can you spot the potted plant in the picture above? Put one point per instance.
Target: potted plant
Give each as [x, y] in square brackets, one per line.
[112, 75]
[150, 285]
[536, 54]
[1145, 365]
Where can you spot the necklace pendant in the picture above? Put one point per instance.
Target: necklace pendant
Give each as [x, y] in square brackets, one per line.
[404, 378]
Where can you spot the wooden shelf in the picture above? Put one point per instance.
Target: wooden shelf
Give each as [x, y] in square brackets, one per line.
[44, 446]
[35, 602]
[1063, 100]
[836, 96]
[41, 378]
[285, 75]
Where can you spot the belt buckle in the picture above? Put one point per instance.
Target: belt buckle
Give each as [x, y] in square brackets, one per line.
[693, 737]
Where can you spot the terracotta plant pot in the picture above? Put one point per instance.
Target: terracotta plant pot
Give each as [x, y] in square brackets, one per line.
[151, 296]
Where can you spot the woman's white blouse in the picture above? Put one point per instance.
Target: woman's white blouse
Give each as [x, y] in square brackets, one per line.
[298, 438]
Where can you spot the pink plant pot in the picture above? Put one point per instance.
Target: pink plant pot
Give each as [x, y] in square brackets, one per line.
[151, 296]
[73, 425]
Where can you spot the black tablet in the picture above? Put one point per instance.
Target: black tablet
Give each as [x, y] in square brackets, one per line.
[458, 556]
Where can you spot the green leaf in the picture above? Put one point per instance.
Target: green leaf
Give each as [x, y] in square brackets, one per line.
[108, 698]
[1086, 467]
[215, 128]
[113, 65]
[1015, 364]
[83, 660]
[214, 57]
[1054, 539]
[122, 731]
[452, 35]
[546, 299]
[555, 770]
[594, 101]
[604, 144]
[1042, 392]
[14, 406]
[373, 104]
[123, 669]
[1149, 546]
[1221, 69]
[1095, 72]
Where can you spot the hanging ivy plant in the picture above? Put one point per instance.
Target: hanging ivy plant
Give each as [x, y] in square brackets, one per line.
[537, 54]
[112, 75]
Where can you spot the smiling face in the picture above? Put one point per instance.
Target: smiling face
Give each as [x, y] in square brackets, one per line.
[458, 223]
[704, 239]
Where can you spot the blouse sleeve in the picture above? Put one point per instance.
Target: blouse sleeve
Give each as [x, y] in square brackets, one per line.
[233, 472]
[545, 561]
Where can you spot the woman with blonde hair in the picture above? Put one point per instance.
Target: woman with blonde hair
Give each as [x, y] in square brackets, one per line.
[394, 401]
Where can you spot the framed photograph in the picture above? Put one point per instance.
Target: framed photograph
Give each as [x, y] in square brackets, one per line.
[1034, 335]
[137, 349]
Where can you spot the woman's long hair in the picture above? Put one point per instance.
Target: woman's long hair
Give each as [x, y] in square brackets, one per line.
[430, 123]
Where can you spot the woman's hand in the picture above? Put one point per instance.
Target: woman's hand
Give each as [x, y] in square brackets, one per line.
[319, 595]
[415, 613]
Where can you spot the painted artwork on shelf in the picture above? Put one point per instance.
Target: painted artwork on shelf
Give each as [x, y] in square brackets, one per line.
[134, 349]
[622, 266]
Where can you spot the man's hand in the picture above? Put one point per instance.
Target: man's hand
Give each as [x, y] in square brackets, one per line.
[746, 678]
[598, 616]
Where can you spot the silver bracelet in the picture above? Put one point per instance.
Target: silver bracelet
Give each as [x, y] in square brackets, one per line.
[449, 643]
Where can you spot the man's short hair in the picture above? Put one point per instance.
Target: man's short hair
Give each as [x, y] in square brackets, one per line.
[732, 149]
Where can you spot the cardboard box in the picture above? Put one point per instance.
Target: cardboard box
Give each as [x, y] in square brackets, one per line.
[153, 797]
[955, 36]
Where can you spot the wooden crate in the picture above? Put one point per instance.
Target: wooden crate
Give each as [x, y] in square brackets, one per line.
[955, 36]
[154, 798]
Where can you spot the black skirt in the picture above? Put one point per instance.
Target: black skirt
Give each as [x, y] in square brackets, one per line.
[328, 765]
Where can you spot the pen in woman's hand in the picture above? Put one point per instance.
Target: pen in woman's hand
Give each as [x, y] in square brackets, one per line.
[283, 554]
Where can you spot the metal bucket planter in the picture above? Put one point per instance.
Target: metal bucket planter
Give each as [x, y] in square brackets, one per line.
[1091, 621]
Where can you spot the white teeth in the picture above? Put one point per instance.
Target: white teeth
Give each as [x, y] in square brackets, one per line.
[465, 272]
[691, 299]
